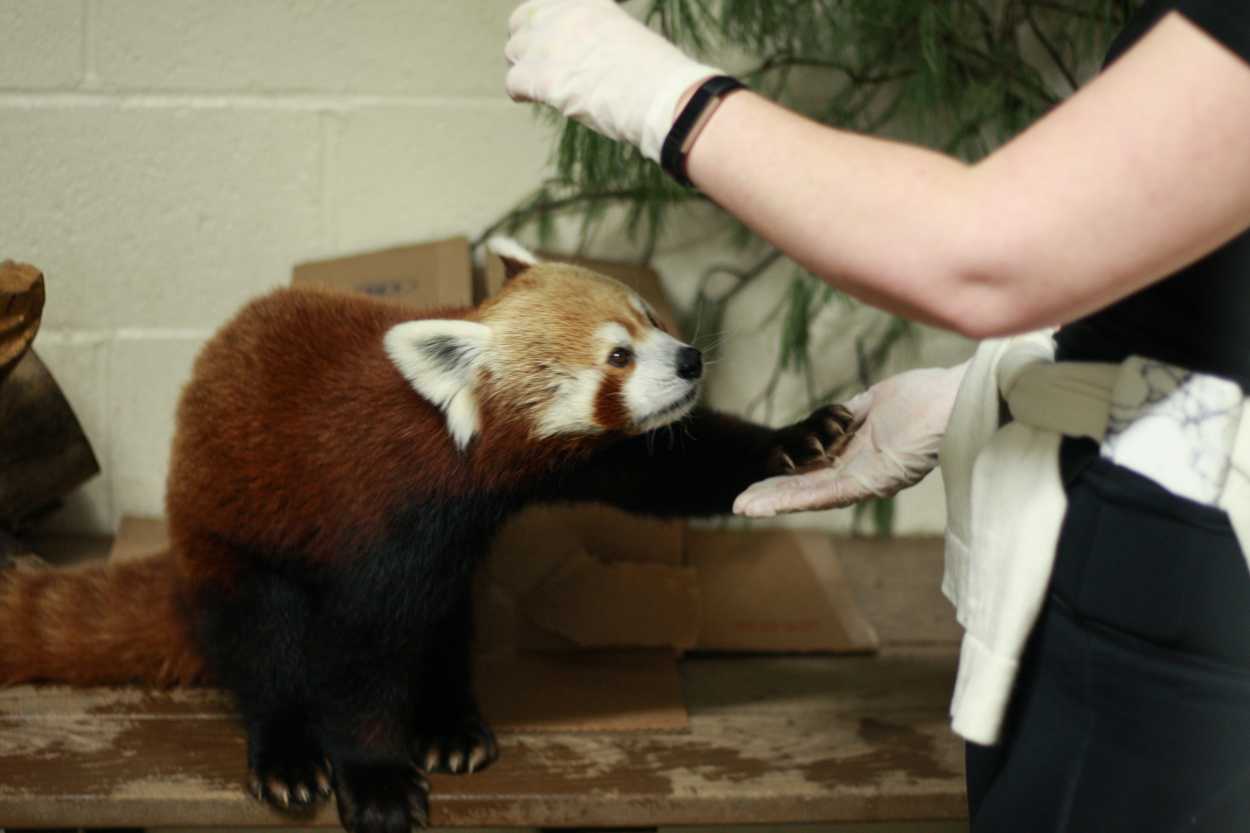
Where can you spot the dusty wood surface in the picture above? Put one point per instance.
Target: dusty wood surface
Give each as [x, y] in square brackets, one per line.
[771, 740]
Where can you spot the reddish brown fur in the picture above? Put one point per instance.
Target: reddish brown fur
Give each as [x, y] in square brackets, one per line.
[98, 623]
[246, 432]
[610, 407]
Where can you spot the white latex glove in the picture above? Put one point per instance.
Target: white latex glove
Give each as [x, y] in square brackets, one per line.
[899, 425]
[593, 62]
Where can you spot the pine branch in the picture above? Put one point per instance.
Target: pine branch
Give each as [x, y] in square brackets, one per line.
[1055, 57]
[535, 205]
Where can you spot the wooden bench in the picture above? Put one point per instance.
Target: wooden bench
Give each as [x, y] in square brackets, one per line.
[771, 740]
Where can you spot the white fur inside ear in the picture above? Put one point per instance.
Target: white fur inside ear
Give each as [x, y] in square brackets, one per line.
[509, 249]
[440, 359]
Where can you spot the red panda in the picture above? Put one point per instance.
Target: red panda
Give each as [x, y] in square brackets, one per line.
[340, 465]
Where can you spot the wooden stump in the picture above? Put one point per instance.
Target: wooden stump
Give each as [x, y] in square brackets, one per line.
[43, 452]
[21, 308]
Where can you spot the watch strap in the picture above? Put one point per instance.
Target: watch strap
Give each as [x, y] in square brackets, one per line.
[674, 150]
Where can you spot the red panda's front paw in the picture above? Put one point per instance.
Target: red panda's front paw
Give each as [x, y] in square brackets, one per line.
[288, 771]
[375, 798]
[470, 748]
[811, 442]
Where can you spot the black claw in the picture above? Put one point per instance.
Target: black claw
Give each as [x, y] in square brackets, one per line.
[470, 750]
[254, 787]
[288, 772]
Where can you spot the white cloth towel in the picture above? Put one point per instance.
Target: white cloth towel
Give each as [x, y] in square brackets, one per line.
[1006, 502]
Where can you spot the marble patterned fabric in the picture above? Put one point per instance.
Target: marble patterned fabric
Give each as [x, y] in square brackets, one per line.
[1174, 426]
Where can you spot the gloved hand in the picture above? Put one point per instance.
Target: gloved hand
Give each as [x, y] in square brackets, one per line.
[899, 424]
[593, 62]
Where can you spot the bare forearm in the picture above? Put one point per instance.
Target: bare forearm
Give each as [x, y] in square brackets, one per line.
[879, 219]
[1138, 174]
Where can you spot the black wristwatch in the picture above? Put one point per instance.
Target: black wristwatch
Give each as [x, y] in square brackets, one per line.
[691, 120]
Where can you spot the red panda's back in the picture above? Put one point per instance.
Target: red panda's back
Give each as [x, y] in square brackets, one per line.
[295, 426]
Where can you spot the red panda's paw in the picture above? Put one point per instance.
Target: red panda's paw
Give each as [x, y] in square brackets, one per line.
[375, 798]
[290, 773]
[812, 442]
[470, 748]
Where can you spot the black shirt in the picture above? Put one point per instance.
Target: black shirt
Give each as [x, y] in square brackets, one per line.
[1199, 317]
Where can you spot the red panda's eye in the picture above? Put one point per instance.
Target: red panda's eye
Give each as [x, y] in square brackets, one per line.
[621, 357]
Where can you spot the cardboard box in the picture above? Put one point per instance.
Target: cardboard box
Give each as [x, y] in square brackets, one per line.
[430, 275]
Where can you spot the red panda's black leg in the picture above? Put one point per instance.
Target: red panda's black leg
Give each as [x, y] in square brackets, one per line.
[253, 635]
[366, 653]
[699, 465]
[365, 703]
[451, 735]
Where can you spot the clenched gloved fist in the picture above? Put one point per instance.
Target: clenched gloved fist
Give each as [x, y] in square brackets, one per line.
[593, 62]
[898, 424]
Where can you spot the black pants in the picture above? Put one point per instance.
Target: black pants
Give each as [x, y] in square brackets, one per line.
[1132, 708]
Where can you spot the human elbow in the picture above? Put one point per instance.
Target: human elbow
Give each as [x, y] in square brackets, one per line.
[982, 303]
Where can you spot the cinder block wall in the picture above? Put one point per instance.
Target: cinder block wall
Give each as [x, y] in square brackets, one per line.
[164, 160]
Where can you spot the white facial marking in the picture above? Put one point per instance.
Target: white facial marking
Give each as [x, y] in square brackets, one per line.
[572, 408]
[440, 359]
[611, 335]
[654, 393]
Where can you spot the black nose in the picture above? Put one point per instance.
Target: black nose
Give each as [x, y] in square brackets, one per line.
[689, 363]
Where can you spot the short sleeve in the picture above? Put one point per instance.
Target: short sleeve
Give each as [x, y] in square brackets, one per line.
[1228, 21]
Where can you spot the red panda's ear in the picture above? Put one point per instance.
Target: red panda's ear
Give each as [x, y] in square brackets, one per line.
[516, 258]
[440, 359]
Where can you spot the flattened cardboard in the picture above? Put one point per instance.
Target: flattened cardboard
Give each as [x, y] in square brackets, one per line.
[611, 534]
[561, 579]
[595, 604]
[430, 275]
[775, 590]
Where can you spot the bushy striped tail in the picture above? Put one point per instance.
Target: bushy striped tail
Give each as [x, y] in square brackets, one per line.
[94, 624]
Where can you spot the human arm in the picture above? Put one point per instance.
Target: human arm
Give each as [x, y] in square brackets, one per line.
[1144, 170]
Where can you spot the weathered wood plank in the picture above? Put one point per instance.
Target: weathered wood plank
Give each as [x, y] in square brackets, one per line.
[771, 740]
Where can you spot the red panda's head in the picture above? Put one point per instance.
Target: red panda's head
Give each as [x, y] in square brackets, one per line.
[563, 349]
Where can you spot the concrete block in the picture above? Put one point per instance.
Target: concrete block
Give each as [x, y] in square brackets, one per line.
[41, 44]
[370, 46]
[158, 216]
[146, 374]
[417, 173]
